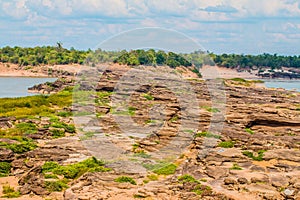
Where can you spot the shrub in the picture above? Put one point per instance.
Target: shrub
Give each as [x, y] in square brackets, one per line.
[27, 128]
[248, 130]
[125, 179]
[235, 166]
[23, 145]
[166, 170]
[4, 169]
[74, 171]
[56, 186]
[187, 178]
[207, 134]
[9, 192]
[148, 97]
[226, 144]
[259, 157]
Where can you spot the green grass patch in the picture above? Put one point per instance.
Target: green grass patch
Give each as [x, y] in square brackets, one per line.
[4, 169]
[142, 154]
[56, 186]
[187, 178]
[149, 97]
[87, 135]
[226, 144]
[152, 177]
[248, 130]
[22, 145]
[207, 134]
[27, 128]
[259, 157]
[166, 170]
[125, 179]
[10, 192]
[210, 109]
[235, 166]
[74, 171]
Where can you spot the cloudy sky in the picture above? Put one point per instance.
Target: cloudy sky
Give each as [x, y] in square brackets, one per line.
[220, 26]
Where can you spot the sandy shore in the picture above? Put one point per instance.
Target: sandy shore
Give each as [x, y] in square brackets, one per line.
[222, 72]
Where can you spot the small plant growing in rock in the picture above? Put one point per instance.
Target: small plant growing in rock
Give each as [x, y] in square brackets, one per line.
[166, 170]
[235, 166]
[4, 169]
[125, 179]
[152, 177]
[248, 130]
[187, 178]
[259, 157]
[56, 186]
[226, 144]
[207, 134]
[149, 97]
[9, 192]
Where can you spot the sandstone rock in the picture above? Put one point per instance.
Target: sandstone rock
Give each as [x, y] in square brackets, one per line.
[216, 172]
[229, 181]
[6, 155]
[242, 180]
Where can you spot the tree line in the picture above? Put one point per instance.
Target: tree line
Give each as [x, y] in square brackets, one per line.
[263, 60]
[51, 55]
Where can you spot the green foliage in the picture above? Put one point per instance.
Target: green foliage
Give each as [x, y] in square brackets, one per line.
[27, 128]
[56, 186]
[226, 144]
[210, 109]
[152, 177]
[41, 105]
[22, 145]
[125, 179]
[263, 60]
[4, 169]
[67, 127]
[248, 130]
[207, 134]
[74, 171]
[41, 55]
[56, 133]
[259, 157]
[149, 97]
[87, 135]
[9, 192]
[152, 58]
[142, 154]
[187, 178]
[166, 170]
[50, 176]
[235, 166]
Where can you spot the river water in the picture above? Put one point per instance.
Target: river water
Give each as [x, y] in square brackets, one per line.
[17, 86]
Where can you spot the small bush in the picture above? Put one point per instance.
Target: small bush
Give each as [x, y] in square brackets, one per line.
[248, 130]
[56, 186]
[125, 179]
[259, 157]
[4, 169]
[226, 144]
[9, 192]
[148, 97]
[187, 178]
[207, 134]
[27, 128]
[23, 145]
[166, 170]
[152, 177]
[74, 171]
[235, 166]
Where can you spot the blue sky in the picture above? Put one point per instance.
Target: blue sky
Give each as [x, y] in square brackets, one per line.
[220, 26]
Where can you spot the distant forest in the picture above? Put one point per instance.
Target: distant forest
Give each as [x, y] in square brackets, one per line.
[51, 55]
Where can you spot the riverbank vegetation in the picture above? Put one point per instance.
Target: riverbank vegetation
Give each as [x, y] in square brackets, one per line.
[51, 55]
